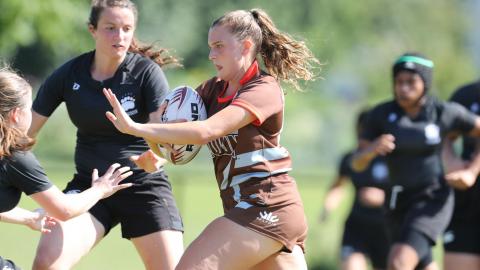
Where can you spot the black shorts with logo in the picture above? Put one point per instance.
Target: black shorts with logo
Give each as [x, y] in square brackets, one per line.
[462, 236]
[370, 238]
[146, 207]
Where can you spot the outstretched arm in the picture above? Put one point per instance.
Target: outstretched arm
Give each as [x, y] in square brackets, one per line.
[36, 220]
[333, 197]
[198, 132]
[38, 121]
[64, 207]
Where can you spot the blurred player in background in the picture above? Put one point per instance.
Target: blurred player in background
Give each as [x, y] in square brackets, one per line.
[365, 233]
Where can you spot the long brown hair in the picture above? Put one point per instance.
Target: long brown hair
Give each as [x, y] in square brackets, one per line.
[14, 93]
[284, 57]
[150, 51]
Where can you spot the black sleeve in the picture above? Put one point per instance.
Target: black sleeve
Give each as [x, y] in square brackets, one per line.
[372, 126]
[25, 173]
[155, 88]
[344, 168]
[50, 94]
[457, 118]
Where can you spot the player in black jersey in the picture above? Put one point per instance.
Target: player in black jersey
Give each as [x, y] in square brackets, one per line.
[147, 211]
[21, 172]
[462, 238]
[365, 234]
[409, 131]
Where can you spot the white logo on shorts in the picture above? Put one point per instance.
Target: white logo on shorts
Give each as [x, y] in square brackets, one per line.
[448, 237]
[268, 218]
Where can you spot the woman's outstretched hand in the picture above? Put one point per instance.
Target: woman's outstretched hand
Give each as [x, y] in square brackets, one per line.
[109, 183]
[119, 117]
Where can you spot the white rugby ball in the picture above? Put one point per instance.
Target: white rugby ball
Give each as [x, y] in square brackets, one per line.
[183, 103]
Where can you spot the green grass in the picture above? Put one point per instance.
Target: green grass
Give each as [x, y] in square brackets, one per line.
[199, 202]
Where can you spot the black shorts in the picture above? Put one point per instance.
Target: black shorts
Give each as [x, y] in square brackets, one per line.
[428, 211]
[146, 207]
[462, 236]
[422, 245]
[366, 237]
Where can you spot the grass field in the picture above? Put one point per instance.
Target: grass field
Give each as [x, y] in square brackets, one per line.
[191, 185]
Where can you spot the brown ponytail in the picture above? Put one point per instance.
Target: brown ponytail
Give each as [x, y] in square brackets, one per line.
[285, 58]
[14, 92]
[150, 51]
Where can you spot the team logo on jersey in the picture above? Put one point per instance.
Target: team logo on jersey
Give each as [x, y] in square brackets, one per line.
[392, 117]
[379, 172]
[75, 86]
[268, 217]
[432, 134]
[224, 146]
[128, 104]
[475, 107]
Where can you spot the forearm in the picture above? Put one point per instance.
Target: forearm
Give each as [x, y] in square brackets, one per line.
[18, 216]
[77, 204]
[65, 206]
[361, 160]
[196, 132]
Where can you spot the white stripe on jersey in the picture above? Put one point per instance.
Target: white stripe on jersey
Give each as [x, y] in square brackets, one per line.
[257, 156]
[226, 173]
[238, 179]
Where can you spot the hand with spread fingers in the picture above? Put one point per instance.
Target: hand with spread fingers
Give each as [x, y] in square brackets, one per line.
[109, 182]
[119, 117]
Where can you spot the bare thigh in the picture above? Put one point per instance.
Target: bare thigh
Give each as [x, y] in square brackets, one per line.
[68, 242]
[160, 250]
[460, 260]
[227, 245]
[284, 260]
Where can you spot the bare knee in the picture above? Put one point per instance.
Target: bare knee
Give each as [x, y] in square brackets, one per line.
[402, 257]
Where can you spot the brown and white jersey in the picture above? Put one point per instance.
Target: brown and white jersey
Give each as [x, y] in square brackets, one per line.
[253, 151]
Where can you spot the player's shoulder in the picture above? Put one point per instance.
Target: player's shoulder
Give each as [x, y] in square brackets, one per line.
[466, 91]
[138, 63]
[74, 65]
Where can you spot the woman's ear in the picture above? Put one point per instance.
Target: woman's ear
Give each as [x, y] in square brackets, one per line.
[14, 116]
[92, 30]
[248, 46]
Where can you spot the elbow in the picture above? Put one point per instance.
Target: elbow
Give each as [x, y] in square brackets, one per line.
[64, 215]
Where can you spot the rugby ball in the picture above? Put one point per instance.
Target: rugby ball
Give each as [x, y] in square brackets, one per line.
[183, 104]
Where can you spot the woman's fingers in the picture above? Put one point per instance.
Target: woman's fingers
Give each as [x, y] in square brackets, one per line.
[94, 175]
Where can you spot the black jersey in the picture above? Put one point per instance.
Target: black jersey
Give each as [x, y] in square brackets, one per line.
[139, 85]
[19, 173]
[467, 201]
[376, 175]
[416, 161]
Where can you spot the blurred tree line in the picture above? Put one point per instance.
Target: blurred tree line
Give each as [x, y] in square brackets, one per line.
[357, 41]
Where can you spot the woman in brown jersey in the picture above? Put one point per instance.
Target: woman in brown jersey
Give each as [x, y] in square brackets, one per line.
[264, 225]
